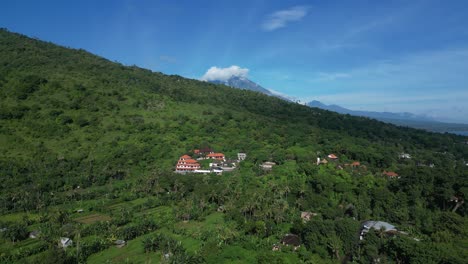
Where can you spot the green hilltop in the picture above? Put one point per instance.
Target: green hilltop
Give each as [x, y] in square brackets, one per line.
[79, 132]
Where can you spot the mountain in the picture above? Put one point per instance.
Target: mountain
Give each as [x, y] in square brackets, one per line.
[88, 149]
[242, 83]
[334, 108]
[401, 119]
[246, 84]
[371, 114]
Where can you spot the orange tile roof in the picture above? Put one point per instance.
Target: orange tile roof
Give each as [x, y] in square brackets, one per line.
[185, 157]
[356, 163]
[332, 156]
[191, 161]
[390, 173]
[215, 155]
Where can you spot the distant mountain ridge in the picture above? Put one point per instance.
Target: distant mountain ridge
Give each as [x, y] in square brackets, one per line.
[400, 119]
[246, 84]
[372, 114]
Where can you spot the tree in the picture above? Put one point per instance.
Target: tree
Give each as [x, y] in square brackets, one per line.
[335, 246]
[16, 232]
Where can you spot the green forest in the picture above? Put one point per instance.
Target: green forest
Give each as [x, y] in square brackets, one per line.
[88, 149]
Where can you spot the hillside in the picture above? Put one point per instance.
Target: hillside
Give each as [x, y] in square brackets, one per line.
[78, 132]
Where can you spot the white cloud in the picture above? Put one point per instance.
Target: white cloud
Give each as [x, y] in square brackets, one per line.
[431, 70]
[413, 83]
[223, 74]
[280, 18]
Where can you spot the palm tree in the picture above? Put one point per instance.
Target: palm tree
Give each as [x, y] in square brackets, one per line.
[286, 190]
[203, 204]
[299, 203]
[213, 196]
[158, 189]
[334, 244]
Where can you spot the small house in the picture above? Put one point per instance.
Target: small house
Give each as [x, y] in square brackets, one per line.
[377, 225]
[391, 174]
[291, 240]
[120, 243]
[205, 151]
[355, 164]
[241, 156]
[217, 156]
[34, 234]
[227, 168]
[404, 156]
[307, 216]
[65, 242]
[321, 161]
[267, 165]
[217, 171]
[332, 157]
[202, 171]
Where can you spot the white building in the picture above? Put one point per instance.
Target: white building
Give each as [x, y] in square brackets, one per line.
[405, 156]
[377, 225]
[65, 242]
[241, 156]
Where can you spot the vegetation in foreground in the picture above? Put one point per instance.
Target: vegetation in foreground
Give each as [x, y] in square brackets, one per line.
[87, 149]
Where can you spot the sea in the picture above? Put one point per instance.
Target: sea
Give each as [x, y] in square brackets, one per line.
[462, 133]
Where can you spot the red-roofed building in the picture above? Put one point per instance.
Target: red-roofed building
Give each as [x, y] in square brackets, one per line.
[332, 156]
[390, 174]
[218, 156]
[355, 164]
[205, 151]
[184, 157]
[186, 163]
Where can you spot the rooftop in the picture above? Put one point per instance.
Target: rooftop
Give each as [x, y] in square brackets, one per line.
[291, 239]
[378, 225]
[390, 173]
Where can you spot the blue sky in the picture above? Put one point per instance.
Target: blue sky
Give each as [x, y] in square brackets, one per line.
[364, 55]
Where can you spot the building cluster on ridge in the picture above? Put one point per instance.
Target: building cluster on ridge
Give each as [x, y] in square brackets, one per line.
[356, 164]
[219, 164]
